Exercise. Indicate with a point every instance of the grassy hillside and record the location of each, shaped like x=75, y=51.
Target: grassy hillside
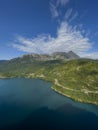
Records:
x=77, y=79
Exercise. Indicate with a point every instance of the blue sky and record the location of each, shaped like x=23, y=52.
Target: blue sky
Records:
x=46, y=26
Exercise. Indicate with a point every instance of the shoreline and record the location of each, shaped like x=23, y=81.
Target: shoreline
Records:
x=75, y=100
x=54, y=89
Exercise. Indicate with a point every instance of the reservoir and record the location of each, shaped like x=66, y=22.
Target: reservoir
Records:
x=31, y=104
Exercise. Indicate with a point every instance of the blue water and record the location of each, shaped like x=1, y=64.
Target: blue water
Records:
x=31, y=104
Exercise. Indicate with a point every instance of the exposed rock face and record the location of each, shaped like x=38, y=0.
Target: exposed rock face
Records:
x=53, y=56
x=44, y=57
x=64, y=55
x=72, y=55
x=60, y=55
x=37, y=56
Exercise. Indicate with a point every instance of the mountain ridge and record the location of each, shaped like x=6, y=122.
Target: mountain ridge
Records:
x=54, y=56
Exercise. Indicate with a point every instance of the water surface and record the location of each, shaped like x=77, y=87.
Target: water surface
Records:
x=32, y=104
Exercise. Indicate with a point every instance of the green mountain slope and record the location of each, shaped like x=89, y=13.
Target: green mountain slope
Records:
x=77, y=79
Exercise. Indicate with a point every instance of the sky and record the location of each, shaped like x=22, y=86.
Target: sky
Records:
x=47, y=26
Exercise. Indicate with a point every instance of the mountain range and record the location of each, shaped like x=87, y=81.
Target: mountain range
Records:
x=54, y=56
x=45, y=57
x=3, y=61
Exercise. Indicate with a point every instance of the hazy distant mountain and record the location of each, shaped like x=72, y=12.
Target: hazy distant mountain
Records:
x=44, y=57
x=54, y=56
x=3, y=61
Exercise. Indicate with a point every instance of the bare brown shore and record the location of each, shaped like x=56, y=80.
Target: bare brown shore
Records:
x=2, y=77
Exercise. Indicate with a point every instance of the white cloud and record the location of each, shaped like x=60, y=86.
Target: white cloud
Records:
x=55, y=5
x=93, y=55
x=53, y=10
x=68, y=39
x=62, y=2
x=73, y=17
x=68, y=13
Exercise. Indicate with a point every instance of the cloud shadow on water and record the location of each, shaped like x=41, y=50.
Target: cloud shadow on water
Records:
x=64, y=118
